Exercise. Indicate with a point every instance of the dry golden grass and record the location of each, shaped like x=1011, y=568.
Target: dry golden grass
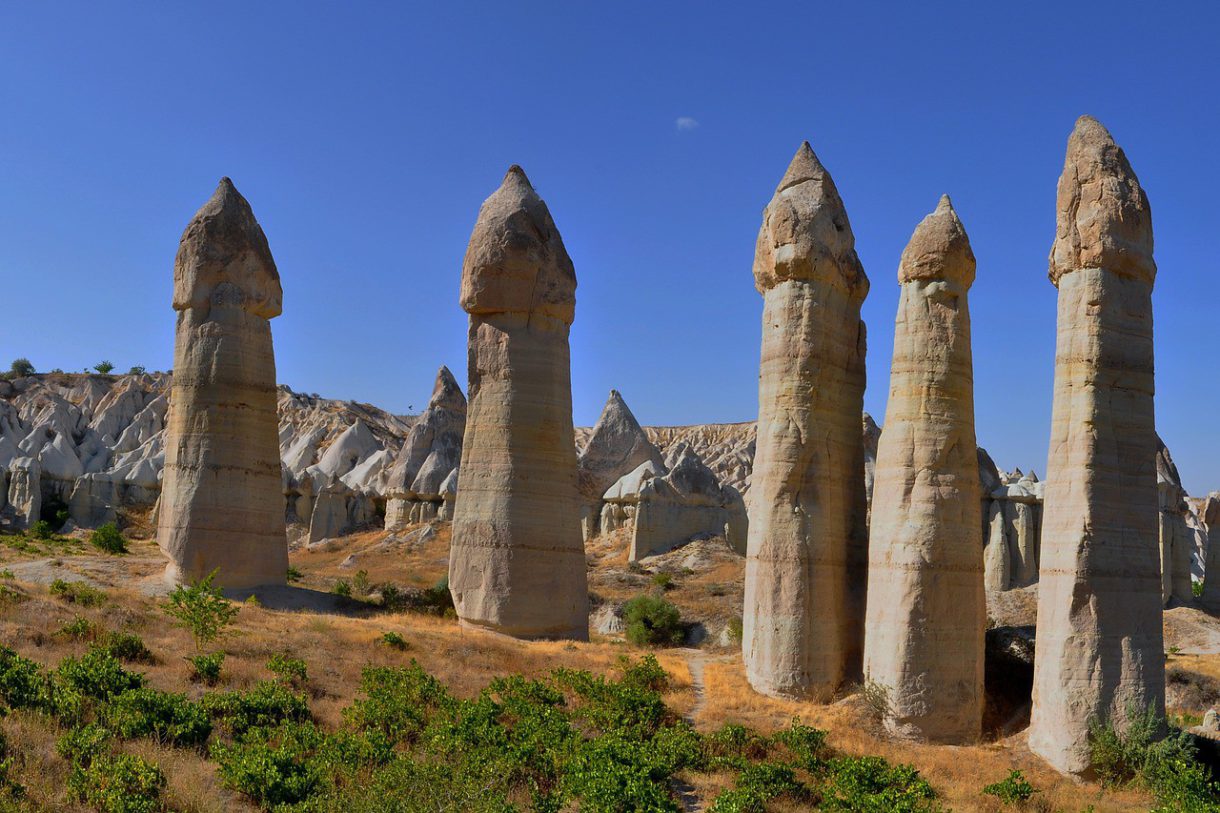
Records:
x=337, y=646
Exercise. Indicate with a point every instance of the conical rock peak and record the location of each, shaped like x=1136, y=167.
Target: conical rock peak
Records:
x=223, y=257
x=805, y=233
x=1104, y=220
x=939, y=249
x=516, y=261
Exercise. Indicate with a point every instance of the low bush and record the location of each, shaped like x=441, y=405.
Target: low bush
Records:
x=1167, y=765
x=207, y=667
x=78, y=593
x=653, y=621
x=166, y=717
x=80, y=628
x=394, y=641
x=23, y=685
x=129, y=647
x=42, y=530
x=1014, y=790
x=266, y=705
x=107, y=538
x=119, y=783
x=290, y=670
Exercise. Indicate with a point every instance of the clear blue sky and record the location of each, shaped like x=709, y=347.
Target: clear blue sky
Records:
x=365, y=135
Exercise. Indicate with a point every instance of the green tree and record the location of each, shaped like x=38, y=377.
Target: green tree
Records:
x=103, y=367
x=202, y=609
x=21, y=367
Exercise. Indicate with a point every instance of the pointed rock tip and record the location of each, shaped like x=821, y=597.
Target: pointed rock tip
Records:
x=804, y=166
x=517, y=174
x=944, y=204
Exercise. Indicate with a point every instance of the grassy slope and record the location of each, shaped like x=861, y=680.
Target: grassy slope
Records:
x=337, y=645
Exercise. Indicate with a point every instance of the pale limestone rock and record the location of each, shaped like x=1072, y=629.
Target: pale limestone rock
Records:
x=222, y=501
x=927, y=615
x=94, y=501
x=517, y=563
x=997, y=561
x=25, y=491
x=330, y=517
x=803, y=596
x=616, y=447
x=1020, y=521
x=1177, y=540
x=1100, y=642
x=684, y=504
x=430, y=454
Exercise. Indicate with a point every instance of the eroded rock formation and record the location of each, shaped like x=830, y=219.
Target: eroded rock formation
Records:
x=517, y=562
x=430, y=454
x=222, y=499
x=803, y=613
x=1100, y=643
x=927, y=614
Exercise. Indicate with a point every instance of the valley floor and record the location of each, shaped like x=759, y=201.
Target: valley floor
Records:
x=338, y=636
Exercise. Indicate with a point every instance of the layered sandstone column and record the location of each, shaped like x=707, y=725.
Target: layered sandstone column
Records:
x=927, y=614
x=803, y=614
x=517, y=564
x=1100, y=649
x=222, y=503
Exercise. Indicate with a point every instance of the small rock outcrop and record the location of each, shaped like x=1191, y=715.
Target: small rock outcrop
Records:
x=616, y=446
x=804, y=591
x=517, y=561
x=1181, y=537
x=431, y=453
x=1100, y=641
x=222, y=499
x=927, y=614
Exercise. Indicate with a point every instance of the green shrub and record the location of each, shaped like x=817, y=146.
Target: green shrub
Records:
x=664, y=581
x=129, y=647
x=79, y=685
x=1196, y=589
x=22, y=682
x=107, y=538
x=294, y=575
x=41, y=530
x=119, y=783
x=166, y=717
x=137, y=369
x=398, y=702
x=757, y=785
x=807, y=745
x=735, y=629
x=104, y=367
x=273, y=767
x=1166, y=765
x=83, y=743
x=651, y=620
x=1014, y=790
x=80, y=628
x=20, y=368
x=77, y=593
x=361, y=585
x=735, y=746
x=290, y=670
x=201, y=608
x=207, y=667
x=394, y=641
x=342, y=588
x=266, y=705
x=873, y=784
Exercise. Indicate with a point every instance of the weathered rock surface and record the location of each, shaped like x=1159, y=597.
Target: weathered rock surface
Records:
x=803, y=612
x=431, y=454
x=616, y=446
x=221, y=503
x=25, y=491
x=517, y=562
x=927, y=616
x=1100, y=641
x=1182, y=537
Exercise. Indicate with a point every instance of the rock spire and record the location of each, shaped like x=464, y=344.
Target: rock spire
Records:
x=927, y=614
x=1100, y=646
x=517, y=564
x=806, y=544
x=222, y=506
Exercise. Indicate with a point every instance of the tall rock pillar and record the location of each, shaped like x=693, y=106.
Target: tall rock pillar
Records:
x=1100, y=649
x=803, y=613
x=927, y=615
x=222, y=503
x=517, y=564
